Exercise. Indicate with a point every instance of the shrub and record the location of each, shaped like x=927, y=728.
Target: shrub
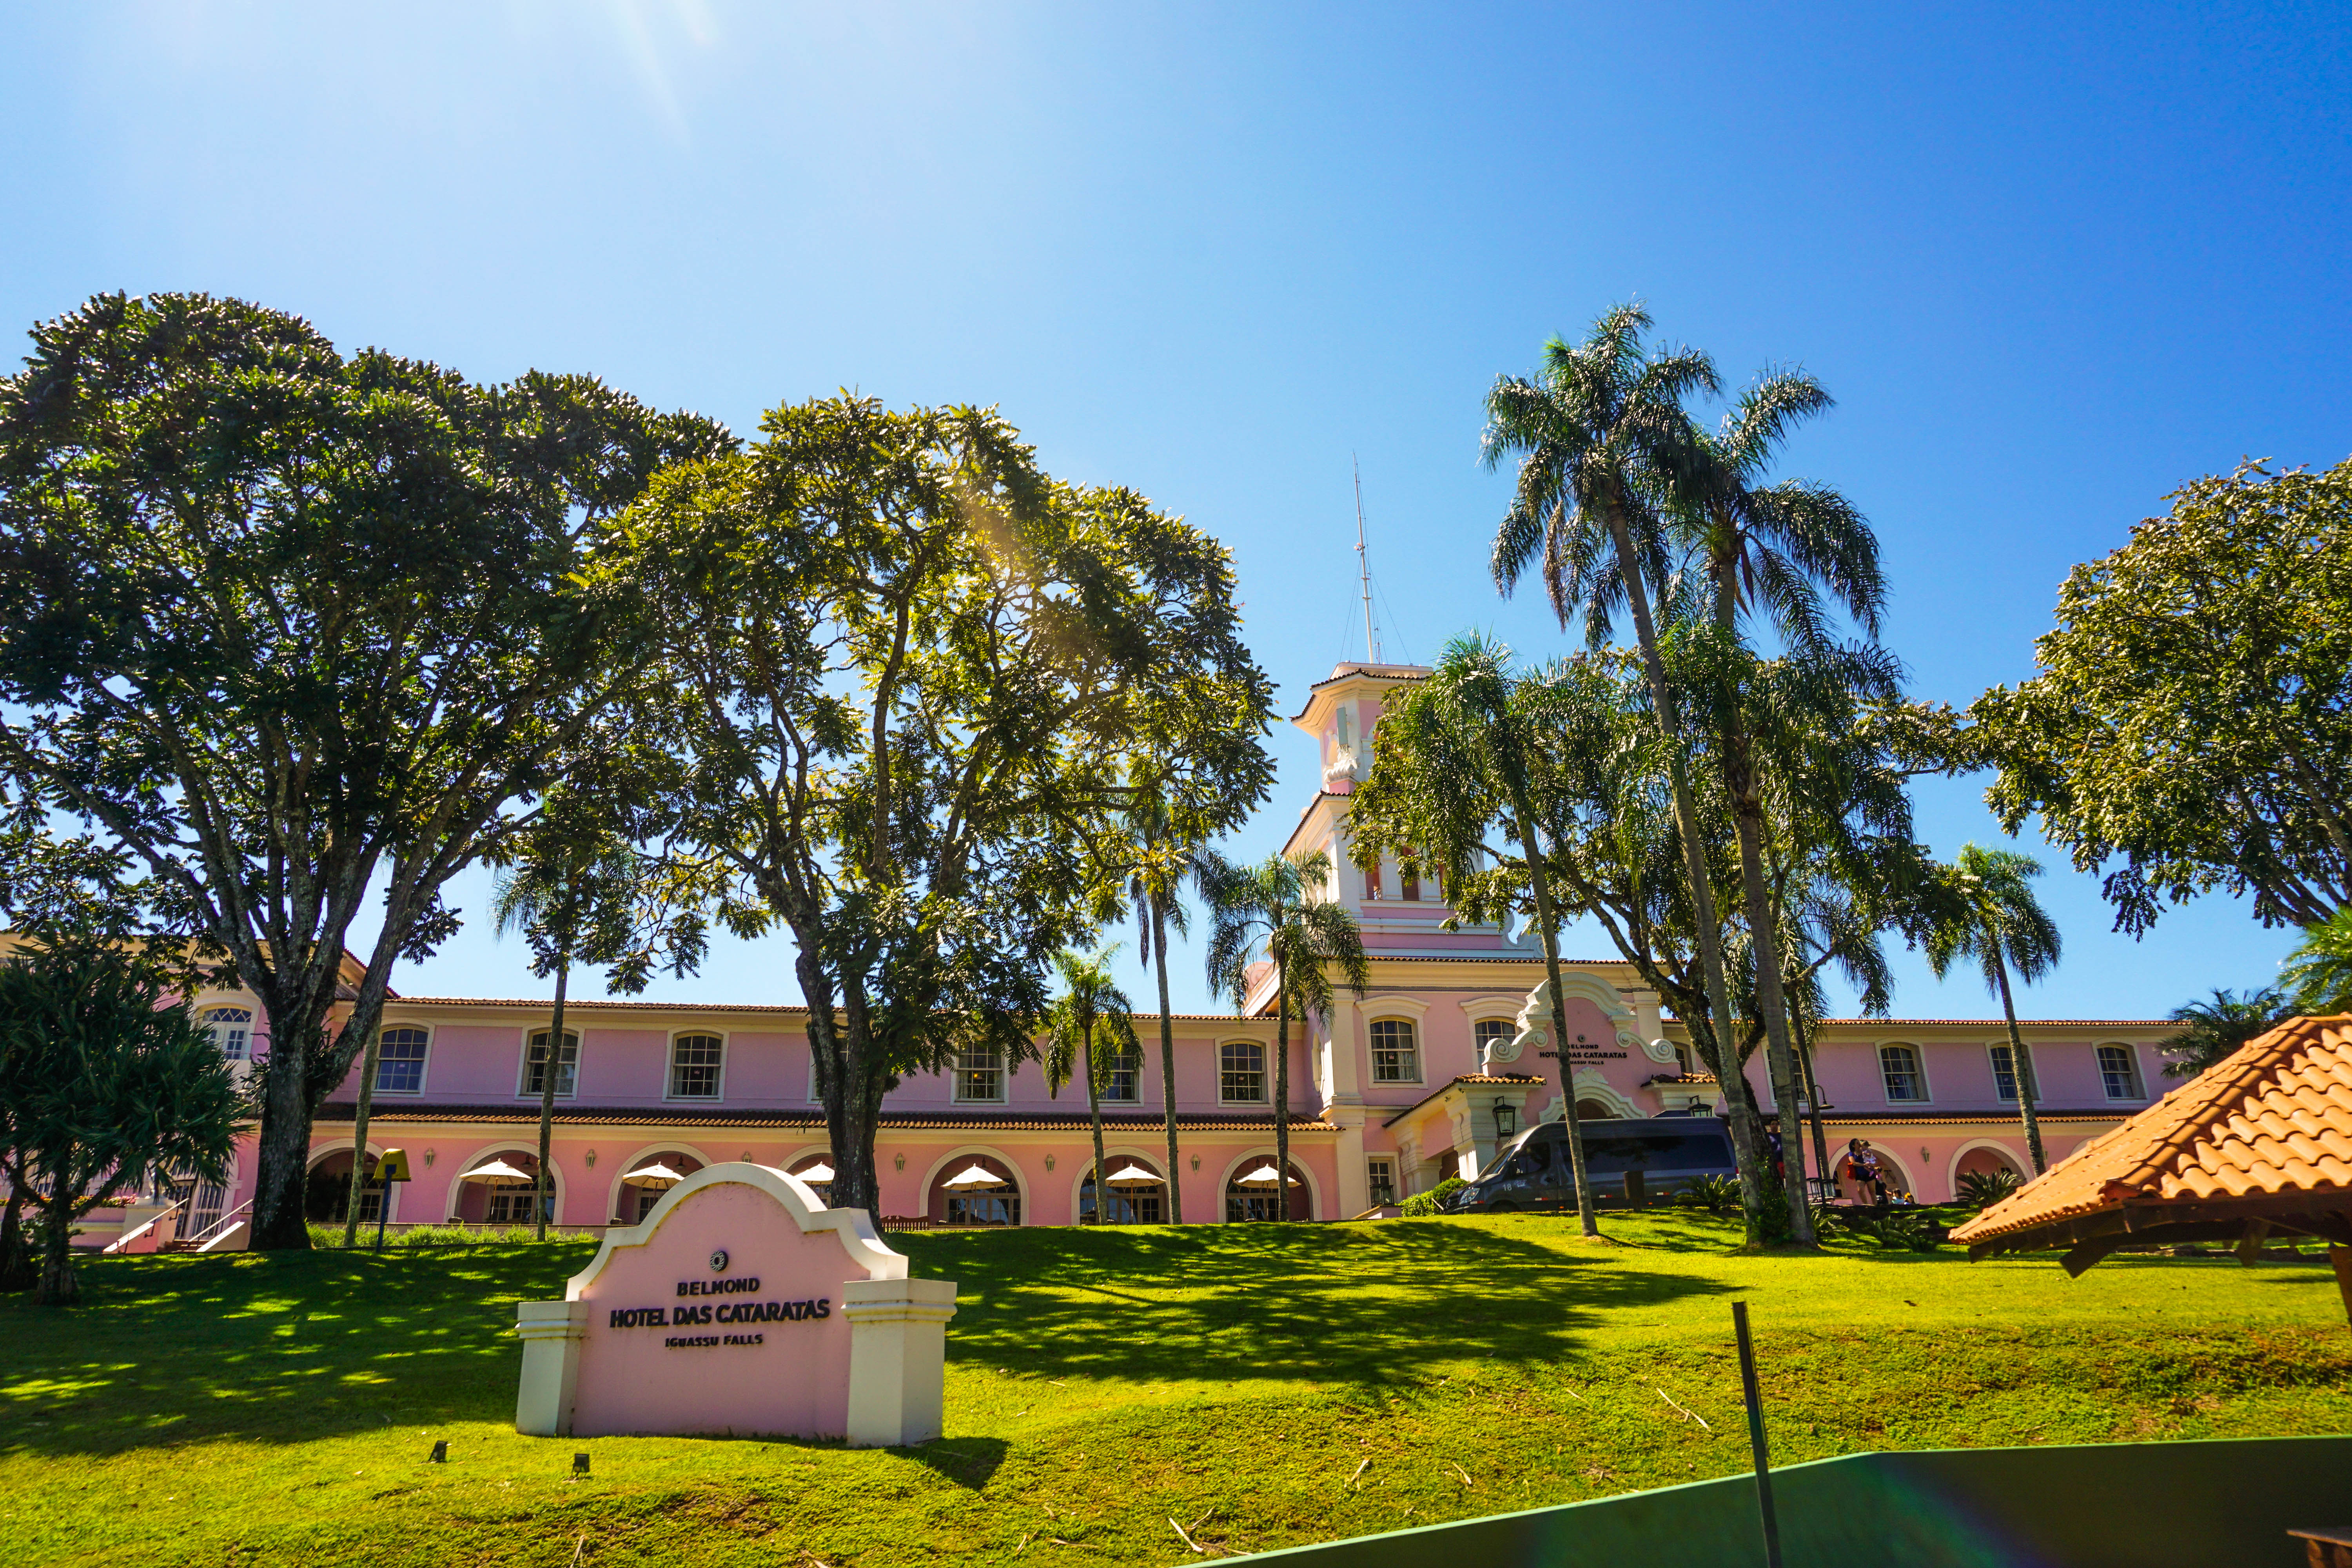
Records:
x=1982, y=1189
x=1717, y=1194
x=1437, y=1200
x=1910, y=1230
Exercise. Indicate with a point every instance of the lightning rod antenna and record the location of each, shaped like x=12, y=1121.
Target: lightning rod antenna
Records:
x=1364, y=565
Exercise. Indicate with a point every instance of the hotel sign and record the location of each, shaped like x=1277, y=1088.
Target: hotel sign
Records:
x=740, y=1307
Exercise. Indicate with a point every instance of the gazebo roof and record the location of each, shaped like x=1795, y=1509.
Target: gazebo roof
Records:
x=2261, y=1138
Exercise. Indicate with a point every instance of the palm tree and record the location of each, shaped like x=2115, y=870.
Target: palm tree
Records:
x=561, y=896
x=2217, y=1028
x=1162, y=864
x=1991, y=916
x=2319, y=970
x=1276, y=908
x=1453, y=790
x=1602, y=438
x=1091, y=1004
x=1769, y=549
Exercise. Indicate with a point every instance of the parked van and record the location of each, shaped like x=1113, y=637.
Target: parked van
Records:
x=1627, y=1161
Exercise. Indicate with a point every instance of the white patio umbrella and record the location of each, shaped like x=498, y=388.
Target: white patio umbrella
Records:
x=819, y=1173
x=977, y=1176
x=1265, y=1175
x=654, y=1174
x=1133, y=1175
x=498, y=1172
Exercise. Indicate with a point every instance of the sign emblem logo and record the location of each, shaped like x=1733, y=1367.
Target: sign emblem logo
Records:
x=719, y=1261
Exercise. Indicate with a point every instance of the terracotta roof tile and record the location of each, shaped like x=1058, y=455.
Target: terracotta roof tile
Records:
x=2274, y=1120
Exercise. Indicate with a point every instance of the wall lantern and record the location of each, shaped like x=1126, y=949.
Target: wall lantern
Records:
x=1196, y=1161
x=899, y=1163
x=1049, y=1162
x=590, y=1158
x=428, y=1156
x=1923, y=1152
x=1507, y=1121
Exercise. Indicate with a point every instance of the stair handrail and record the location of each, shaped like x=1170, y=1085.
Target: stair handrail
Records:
x=217, y=1227
x=119, y=1242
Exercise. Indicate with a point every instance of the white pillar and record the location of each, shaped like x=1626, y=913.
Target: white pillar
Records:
x=550, y=1333
x=898, y=1359
x=1355, y=1194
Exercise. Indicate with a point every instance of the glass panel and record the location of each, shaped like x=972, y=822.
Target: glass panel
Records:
x=2117, y=1070
x=1383, y=1180
x=1243, y=1076
x=1394, y=1058
x=1123, y=1073
x=979, y=1075
x=1900, y=1067
x=694, y=1066
x=567, y=1067
x=2005, y=1073
x=400, y=1061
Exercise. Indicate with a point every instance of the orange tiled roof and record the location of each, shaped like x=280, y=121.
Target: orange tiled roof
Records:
x=2273, y=1120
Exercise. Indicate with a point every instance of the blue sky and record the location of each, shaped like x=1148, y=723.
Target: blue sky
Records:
x=2053, y=261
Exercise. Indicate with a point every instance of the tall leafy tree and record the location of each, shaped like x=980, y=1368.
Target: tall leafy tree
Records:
x=285, y=625
x=2215, y=1029
x=1452, y=790
x=1160, y=867
x=1994, y=920
x=1602, y=441
x=2189, y=725
x=2319, y=971
x=1091, y=1009
x=1276, y=912
x=104, y=1078
x=911, y=681
x=1768, y=550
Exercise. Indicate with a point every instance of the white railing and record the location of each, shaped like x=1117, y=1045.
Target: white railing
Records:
x=119, y=1242
x=218, y=1228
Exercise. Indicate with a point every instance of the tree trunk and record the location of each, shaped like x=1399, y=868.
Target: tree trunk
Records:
x=1281, y=1093
x=1167, y=1062
x=1548, y=925
x=2021, y=1063
x=1709, y=934
x=1779, y=1058
x=283, y=1147
x=17, y=1271
x=543, y=1190
x=60, y=1285
x=359, y=1139
x=1813, y=1100
x=1093, y=1119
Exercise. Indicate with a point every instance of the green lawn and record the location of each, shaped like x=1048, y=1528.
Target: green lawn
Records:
x=252, y=1409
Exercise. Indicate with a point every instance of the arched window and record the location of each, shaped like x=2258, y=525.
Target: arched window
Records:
x=1252, y=1193
x=496, y=1188
x=1122, y=1073
x=1899, y=1067
x=1492, y=1035
x=974, y=1189
x=399, y=1060
x=1241, y=1077
x=1594, y=1110
x=2120, y=1069
x=1138, y=1195
x=231, y=1029
x=567, y=1067
x=693, y=1061
x=1396, y=1057
x=979, y=1075
x=647, y=1178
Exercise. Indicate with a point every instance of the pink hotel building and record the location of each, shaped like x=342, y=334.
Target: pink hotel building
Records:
x=1415, y=1081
